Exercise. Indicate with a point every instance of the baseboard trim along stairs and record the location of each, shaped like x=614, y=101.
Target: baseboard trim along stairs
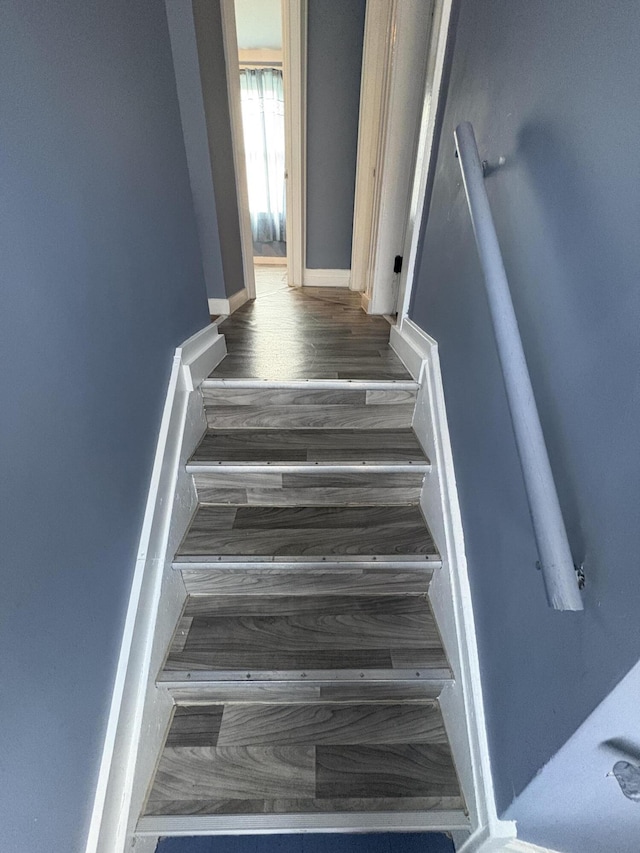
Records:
x=299, y=653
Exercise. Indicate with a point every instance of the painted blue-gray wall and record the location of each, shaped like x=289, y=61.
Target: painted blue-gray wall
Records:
x=213, y=74
x=334, y=59
x=186, y=64
x=101, y=278
x=553, y=88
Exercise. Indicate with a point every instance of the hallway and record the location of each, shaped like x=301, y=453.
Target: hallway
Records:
x=306, y=333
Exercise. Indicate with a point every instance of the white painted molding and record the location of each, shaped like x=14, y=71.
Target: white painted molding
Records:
x=411, y=344
x=392, y=95
x=140, y=711
x=373, y=93
x=200, y=354
x=327, y=278
x=433, y=90
x=228, y=306
x=230, y=41
x=450, y=595
x=294, y=79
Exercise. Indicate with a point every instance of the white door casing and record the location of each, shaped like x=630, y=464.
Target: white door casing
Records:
x=392, y=98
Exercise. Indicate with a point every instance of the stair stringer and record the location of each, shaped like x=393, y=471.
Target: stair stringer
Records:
x=450, y=595
x=140, y=712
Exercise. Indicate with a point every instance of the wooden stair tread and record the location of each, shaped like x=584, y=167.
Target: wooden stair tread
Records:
x=268, y=633
x=259, y=532
x=309, y=447
x=282, y=758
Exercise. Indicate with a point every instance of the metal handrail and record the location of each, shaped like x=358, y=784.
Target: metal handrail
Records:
x=557, y=566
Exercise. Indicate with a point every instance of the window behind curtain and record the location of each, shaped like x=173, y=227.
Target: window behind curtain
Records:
x=263, y=123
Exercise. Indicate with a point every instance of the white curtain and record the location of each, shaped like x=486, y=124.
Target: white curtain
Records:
x=263, y=123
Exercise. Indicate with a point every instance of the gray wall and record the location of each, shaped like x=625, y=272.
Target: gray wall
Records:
x=194, y=125
x=213, y=73
x=101, y=279
x=553, y=88
x=335, y=36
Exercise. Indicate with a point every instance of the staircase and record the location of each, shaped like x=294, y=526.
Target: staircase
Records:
x=306, y=666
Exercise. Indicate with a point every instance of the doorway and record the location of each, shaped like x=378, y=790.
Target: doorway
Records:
x=259, y=39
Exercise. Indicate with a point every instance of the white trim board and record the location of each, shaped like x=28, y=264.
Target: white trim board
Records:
x=228, y=306
x=294, y=81
x=450, y=594
x=230, y=42
x=425, y=152
x=392, y=95
x=326, y=278
x=140, y=712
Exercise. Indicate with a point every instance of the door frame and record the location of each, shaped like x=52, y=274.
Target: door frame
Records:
x=294, y=78
x=425, y=154
x=232, y=63
x=400, y=87
x=294, y=74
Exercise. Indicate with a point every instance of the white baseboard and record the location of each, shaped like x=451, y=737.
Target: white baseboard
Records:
x=140, y=712
x=228, y=306
x=327, y=278
x=411, y=344
x=450, y=594
x=200, y=354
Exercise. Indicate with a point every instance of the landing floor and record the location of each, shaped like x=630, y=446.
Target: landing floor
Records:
x=307, y=333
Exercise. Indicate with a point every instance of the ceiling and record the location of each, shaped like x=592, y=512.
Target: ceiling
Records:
x=259, y=24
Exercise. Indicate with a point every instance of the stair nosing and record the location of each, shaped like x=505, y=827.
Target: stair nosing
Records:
x=216, y=824
x=206, y=466
x=178, y=679
x=320, y=384
x=194, y=562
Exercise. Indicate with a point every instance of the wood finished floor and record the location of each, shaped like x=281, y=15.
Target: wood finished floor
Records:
x=256, y=758
x=307, y=333
x=328, y=446
x=307, y=662
x=272, y=632
x=308, y=532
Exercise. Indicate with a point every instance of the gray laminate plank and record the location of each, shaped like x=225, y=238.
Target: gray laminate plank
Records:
x=284, y=397
x=160, y=806
x=361, y=479
x=195, y=726
x=220, y=479
x=289, y=445
x=249, y=657
x=254, y=725
x=364, y=804
x=311, y=497
x=244, y=772
x=331, y=518
x=181, y=633
x=384, y=542
x=417, y=691
x=300, y=531
x=400, y=770
x=309, y=417
x=413, y=609
x=386, y=397
x=302, y=806
x=304, y=582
